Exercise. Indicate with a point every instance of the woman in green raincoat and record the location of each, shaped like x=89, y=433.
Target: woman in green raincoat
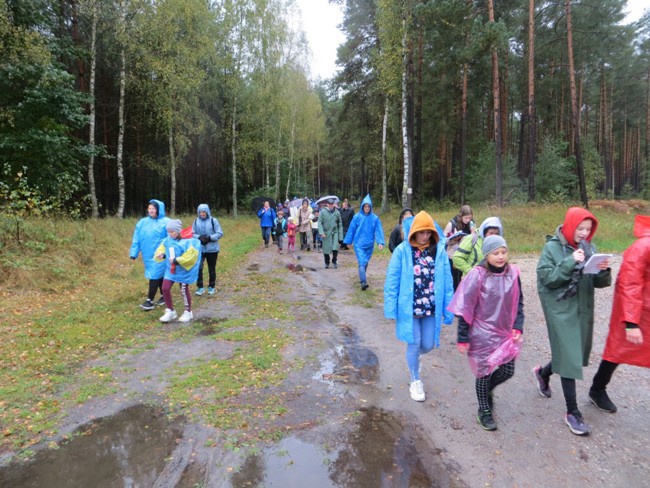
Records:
x=567, y=297
x=330, y=228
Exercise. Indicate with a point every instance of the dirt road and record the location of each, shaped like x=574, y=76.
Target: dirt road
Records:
x=349, y=420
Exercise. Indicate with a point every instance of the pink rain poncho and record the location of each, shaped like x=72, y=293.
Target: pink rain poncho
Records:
x=488, y=302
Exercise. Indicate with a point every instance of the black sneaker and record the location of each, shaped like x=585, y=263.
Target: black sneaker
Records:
x=541, y=384
x=364, y=286
x=160, y=302
x=486, y=420
x=147, y=305
x=602, y=401
x=576, y=423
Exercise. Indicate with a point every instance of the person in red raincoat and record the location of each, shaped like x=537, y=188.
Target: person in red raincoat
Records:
x=628, y=341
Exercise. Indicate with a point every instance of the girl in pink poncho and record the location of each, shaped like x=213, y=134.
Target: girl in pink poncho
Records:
x=490, y=310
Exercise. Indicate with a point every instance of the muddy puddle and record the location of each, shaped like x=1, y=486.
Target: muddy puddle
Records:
x=128, y=449
x=381, y=450
x=299, y=268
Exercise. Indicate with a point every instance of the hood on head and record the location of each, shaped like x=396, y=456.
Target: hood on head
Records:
x=203, y=208
x=422, y=221
x=642, y=225
x=366, y=200
x=161, y=207
x=490, y=222
x=574, y=216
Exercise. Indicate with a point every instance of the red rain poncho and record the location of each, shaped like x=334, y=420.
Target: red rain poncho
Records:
x=488, y=302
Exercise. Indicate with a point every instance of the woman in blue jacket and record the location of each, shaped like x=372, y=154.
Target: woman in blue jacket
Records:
x=206, y=229
x=364, y=230
x=149, y=231
x=267, y=216
x=417, y=291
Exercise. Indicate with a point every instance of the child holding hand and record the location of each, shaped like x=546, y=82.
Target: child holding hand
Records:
x=490, y=308
x=292, y=230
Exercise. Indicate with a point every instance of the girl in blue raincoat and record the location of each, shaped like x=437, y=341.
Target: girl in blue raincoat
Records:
x=149, y=231
x=364, y=230
x=206, y=229
x=181, y=258
x=417, y=291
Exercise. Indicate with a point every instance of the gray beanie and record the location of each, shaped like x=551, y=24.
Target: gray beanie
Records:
x=492, y=243
x=174, y=226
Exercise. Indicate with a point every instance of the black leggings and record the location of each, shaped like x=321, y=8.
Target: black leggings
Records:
x=486, y=384
x=211, y=258
x=568, y=388
x=603, y=375
x=154, y=286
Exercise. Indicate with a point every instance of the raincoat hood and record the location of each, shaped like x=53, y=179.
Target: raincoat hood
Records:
x=161, y=207
x=574, y=216
x=203, y=208
x=490, y=222
x=642, y=226
x=423, y=221
x=367, y=200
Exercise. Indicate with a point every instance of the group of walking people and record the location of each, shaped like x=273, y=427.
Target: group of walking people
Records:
x=172, y=254
x=485, y=295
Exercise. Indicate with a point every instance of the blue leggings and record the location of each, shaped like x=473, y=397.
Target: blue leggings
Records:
x=423, y=337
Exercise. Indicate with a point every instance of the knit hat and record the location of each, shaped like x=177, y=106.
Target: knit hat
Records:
x=174, y=226
x=492, y=243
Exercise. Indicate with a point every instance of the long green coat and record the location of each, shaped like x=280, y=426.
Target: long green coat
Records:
x=331, y=226
x=570, y=322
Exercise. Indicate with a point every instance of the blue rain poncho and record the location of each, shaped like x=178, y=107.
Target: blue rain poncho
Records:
x=208, y=226
x=148, y=234
x=364, y=230
x=188, y=257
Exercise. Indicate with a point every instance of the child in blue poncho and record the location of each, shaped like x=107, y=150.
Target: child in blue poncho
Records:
x=182, y=258
x=365, y=229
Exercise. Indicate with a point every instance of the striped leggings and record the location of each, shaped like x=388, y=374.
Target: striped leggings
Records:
x=185, y=293
x=486, y=384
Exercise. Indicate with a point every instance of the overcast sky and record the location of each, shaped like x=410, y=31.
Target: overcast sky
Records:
x=320, y=19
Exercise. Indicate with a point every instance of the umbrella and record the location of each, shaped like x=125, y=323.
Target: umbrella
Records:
x=323, y=200
x=258, y=202
x=296, y=202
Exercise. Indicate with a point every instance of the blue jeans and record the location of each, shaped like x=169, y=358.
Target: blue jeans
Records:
x=362, y=272
x=266, y=234
x=423, y=337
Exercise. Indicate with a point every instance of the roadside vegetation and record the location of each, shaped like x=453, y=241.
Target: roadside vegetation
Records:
x=69, y=294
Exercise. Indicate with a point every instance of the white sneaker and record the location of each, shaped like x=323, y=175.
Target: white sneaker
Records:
x=169, y=315
x=417, y=391
x=186, y=317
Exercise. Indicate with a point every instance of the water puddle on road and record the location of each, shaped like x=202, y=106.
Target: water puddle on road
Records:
x=381, y=451
x=349, y=363
x=299, y=268
x=128, y=449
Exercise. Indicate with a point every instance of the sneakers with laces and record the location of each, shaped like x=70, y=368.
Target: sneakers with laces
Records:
x=147, y=305
x=200, y=291
x=602, y=401
x=541, y=384
x=417, y=391
x=169, y=315
x=160, y=302
x=576, y=423
x=486, y=420
x=186, y=317
x=210, y=291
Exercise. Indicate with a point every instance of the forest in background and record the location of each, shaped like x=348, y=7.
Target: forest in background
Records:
x=105, y=104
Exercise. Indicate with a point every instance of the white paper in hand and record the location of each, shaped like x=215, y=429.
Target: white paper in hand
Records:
x=591, y=266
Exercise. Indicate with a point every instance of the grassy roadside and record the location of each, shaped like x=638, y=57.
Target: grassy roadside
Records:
x=69, y=294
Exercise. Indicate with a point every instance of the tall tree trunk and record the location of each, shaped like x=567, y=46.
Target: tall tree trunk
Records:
x=407, y=187
x=293, y=135
x=496, y=116
x=532, y=116
x=575, y=109
x=172, y=169
x=463, y=136
x=277, y=163
x=120, y=133
x=233, y=149
x=91, y=130
x=384, y=166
